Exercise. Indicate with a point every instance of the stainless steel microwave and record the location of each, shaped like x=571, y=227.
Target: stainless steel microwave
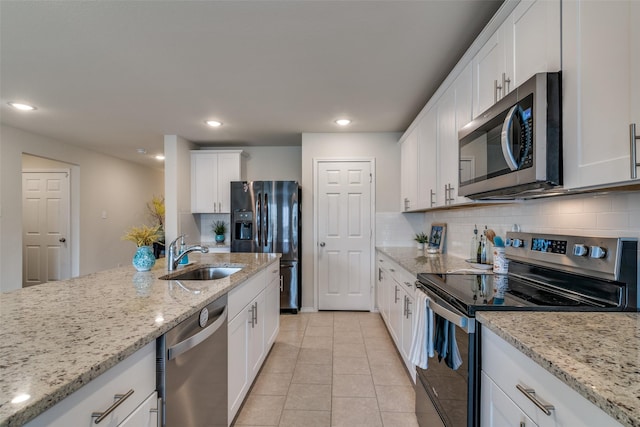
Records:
x=514, y=149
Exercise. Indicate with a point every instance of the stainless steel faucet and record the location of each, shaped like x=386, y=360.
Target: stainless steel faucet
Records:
x=174, y=259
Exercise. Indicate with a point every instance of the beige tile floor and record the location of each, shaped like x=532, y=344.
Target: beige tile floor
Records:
x=331, y=369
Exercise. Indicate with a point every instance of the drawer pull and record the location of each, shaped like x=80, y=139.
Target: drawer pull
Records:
x=158, y=412
x=530, y=394
x=120, y=398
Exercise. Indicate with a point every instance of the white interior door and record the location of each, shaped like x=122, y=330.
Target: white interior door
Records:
x=343, y=200
x=45, y=227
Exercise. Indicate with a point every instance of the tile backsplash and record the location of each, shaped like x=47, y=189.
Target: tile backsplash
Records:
x=608, y=215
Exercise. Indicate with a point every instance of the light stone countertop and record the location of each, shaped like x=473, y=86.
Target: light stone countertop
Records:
x=596, y=354
x=58, y=336
x=417, y=261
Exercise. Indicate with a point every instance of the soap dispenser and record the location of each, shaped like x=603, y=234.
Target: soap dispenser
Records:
x=183, y=247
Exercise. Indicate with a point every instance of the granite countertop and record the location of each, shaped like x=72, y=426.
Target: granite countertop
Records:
x=417, y=261
x=58, y=336
x=596, y=354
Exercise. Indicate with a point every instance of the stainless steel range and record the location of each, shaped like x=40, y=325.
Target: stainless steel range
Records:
x=546, y=273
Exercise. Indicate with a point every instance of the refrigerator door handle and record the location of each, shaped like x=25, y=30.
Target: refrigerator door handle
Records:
x=266, y=220
x=259, y=218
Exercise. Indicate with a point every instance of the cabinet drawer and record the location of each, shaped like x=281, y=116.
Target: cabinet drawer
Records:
x=273, y=273
x=242, y=295
x=145, y=415
x=137, y=373
x=508, y=367
x=397, y=272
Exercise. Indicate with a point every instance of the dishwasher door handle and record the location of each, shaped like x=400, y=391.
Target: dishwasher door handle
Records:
x=189, y=343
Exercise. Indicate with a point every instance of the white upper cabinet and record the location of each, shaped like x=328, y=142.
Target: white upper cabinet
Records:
x=489, y=64
x=427, y=177
x=601, y=85
x=211, y=175
x=534, y=40
x=409, y=172
x=528, y=42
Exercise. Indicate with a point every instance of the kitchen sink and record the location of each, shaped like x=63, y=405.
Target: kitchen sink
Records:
x=203, y=273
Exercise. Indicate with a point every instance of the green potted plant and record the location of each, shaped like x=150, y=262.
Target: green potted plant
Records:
x=219, y=229
x=143, y=236
x=421, y=238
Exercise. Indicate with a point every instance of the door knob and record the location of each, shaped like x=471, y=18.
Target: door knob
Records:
x=322, y=244
x=62, y=240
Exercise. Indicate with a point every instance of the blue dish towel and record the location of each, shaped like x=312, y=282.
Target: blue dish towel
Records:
x=445, y=343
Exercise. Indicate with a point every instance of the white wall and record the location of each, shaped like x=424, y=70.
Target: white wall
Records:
x=102, y=183
x=381, y=146
x=608, y=215
x=177, y=169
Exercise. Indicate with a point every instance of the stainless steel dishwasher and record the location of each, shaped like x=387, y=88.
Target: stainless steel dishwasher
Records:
x=192, y=369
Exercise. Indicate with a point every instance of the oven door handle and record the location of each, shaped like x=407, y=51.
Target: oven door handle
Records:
x=449, y=313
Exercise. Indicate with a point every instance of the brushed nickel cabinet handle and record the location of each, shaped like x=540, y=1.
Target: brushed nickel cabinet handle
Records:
x=120, y=398
x=158, y=412
x=505, y=83
x=496, y=88
x=633, y=138
x=530, y=394
x=431, y=195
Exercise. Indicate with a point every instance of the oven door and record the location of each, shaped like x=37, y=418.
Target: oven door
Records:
x=444, y=396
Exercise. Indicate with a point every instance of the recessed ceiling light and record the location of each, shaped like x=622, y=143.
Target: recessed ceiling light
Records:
x=22, y=107
x=214, y=123
x=160, y=157
x=343, y=122
x=141, y=151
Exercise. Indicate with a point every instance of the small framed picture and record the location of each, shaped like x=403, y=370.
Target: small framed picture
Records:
x=436, y=237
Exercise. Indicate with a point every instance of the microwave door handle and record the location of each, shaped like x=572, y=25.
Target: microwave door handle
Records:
x=506, y=139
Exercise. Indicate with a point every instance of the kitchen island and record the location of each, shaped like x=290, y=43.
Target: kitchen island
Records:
x=57, y=337
x=595, y=354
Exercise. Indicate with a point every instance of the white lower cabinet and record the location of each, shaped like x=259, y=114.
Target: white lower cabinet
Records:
x=511, y=384
x=498, y=409
x=132, y=381
x=395, y=289
x=272, y=304
x=254, y=309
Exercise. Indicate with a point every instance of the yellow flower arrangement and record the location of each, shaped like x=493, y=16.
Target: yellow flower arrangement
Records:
x=143, y=235
x=156, y=209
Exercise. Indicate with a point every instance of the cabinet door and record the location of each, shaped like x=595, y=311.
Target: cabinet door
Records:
x=464, y=114
x=447, y=148
x=427, y=185
x=145, y=415
x=228, y=170
x=395, y=312
x=600, y=85
x=272, y=308
x=238, y=374
x=488, y=65
x=204, y=182
x=409, y=172
x=533, y=42
x=256, y=335
x=497, y=410
x=407, y=329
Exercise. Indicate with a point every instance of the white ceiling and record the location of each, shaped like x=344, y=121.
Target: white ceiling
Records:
x=114, y=76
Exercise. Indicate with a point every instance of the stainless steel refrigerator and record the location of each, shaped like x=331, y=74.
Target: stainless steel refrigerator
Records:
x=265, y=217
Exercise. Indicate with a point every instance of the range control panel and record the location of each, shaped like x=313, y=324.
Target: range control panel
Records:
x=592, y=256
